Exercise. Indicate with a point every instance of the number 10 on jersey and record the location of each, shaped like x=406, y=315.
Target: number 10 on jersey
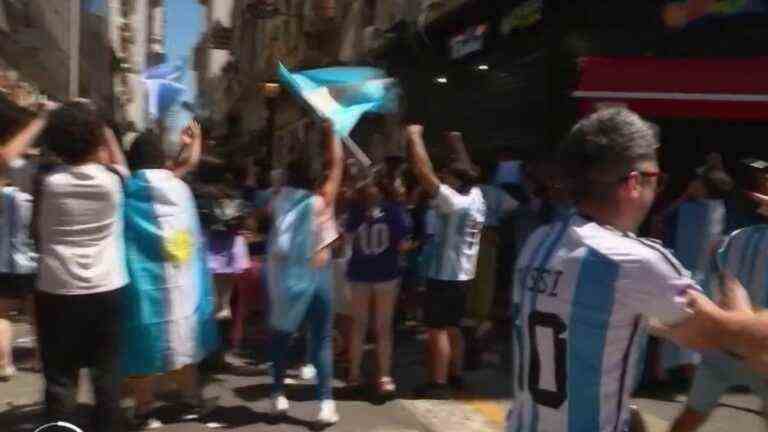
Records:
x=552, y=368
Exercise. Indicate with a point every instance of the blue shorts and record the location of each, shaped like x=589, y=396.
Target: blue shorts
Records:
x=715, y=375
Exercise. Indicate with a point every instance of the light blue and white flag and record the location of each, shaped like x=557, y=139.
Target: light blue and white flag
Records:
x=169, y=304
x=164, y=89
x=343, y=94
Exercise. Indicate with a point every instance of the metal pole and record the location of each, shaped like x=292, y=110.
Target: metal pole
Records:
x=355, y=149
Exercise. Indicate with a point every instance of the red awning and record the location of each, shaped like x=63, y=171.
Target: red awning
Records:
x=727, y=89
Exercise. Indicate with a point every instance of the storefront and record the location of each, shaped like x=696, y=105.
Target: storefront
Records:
x=481, y=69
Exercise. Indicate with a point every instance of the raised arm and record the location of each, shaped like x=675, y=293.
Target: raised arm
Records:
x=114, y=152
x=732, y=326
x=456, y=141
x=422, y=165
x=19, y=143
x=191, y=141
x=335, y=156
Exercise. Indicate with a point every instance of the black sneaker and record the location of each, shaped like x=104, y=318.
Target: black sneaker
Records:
x=457, y=382
x=435, y=391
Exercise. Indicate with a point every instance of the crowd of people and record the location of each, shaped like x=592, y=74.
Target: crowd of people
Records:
x=136, y=261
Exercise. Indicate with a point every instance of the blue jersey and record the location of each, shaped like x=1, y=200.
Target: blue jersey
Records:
x=693, y=230
x=376, y=239
x=498, y=203
x=17, y=250
x=583, y=291
x=744, y=254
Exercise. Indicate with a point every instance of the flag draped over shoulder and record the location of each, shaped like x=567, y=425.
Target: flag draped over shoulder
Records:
x=169, y=304
x=343, y=94
x=292, y=279
x=164, y=89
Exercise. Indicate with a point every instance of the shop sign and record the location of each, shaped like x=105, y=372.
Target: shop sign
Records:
x=677, y=14
x=471, y=40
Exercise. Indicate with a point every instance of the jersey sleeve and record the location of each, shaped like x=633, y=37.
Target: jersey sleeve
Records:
x=655, y=287
x=447, y=199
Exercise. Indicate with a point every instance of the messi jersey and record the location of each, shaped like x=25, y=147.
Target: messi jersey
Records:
x=584, y=291
x=459, y=223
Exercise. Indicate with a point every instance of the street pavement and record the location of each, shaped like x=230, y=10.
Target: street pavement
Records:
x=243, y=406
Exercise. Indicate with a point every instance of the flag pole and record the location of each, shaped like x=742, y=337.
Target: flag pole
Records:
x=356, y=151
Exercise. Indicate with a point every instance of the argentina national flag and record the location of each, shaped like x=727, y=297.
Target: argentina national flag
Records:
x=164, y=89
x=168, y=306
x=343, y=94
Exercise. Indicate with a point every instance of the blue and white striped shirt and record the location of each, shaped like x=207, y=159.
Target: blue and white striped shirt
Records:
x=582, y=290
x=459, y=223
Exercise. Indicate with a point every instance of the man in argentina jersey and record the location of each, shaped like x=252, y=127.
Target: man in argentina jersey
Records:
x=744, y=255
x=586, y=285
x=693, y=228
x=460, y=211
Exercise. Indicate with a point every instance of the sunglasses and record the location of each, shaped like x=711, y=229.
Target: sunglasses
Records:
x=661, y=178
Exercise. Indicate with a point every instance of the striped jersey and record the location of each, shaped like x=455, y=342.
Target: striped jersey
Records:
x=497, y=203
x=17, y=250
x=745, y=255
x=693, y=230
x=459, y=222
x=583, y=291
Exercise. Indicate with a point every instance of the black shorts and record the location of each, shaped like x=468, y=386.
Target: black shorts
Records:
x=445, y=303
x=15, y=286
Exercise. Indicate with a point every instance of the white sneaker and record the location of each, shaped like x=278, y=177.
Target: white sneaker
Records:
x=152, y=424
x=7, y=372
x=280, y=405
x=307, y=372
x=328, y=415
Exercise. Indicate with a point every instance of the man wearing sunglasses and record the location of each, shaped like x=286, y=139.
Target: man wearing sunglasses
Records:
x=587, y=287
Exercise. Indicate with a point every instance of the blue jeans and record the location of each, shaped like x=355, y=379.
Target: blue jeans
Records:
x=319, y=319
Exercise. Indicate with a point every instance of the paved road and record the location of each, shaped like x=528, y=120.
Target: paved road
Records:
x=243, y=406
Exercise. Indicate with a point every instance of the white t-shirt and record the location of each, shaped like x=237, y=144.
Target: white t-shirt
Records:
x=460, y=220
x=80, y=227
x=584, y=293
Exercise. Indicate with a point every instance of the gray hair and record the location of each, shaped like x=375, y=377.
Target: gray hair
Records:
x=605, y=146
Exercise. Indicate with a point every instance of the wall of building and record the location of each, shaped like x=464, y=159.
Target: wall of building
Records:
x=42, y=44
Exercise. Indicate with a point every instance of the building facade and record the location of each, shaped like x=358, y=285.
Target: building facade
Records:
x=66, y=49
x=245, y=40
x=137, y=35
